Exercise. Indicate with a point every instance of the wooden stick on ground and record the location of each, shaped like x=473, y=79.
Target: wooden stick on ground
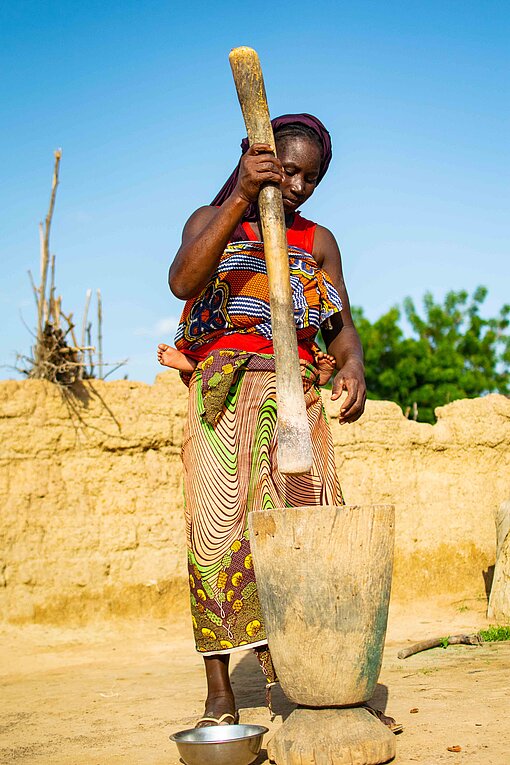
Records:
x=424, y=645
x=294, y=443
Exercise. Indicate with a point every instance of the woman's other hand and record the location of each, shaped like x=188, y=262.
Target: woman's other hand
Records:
x=259, y=165
x=351, y=379
x=341, y=337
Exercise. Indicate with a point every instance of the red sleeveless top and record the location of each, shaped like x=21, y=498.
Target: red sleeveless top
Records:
x=301, y=234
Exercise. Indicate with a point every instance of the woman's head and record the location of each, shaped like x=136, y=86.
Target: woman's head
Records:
x=299, y=149
x=303, y=145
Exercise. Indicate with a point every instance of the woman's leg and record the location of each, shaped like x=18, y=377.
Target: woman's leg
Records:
x=220, y=696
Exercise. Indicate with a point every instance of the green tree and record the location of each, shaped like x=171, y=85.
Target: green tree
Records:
x=451, y=352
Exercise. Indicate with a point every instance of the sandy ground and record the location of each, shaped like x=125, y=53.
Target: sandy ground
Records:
x=113, y=693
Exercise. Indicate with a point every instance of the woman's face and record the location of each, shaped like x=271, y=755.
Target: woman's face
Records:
x=301, y=160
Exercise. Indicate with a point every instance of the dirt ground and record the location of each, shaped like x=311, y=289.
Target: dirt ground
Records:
x=113, y=693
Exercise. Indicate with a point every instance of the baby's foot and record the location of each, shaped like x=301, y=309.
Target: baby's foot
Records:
x=326, y=365
x=171, y=357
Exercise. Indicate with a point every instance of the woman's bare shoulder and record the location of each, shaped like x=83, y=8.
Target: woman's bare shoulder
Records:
x=198, y=220
x=325, y=246
x=201, y=216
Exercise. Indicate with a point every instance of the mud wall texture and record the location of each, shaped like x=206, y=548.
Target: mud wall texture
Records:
x=92, y=526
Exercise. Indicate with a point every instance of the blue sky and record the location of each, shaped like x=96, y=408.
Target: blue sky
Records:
x=140, y=97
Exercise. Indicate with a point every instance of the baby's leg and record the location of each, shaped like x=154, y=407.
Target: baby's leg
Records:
x=171, y=357
x=325, y=363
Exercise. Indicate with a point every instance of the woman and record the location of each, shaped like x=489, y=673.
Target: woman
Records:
x=229, y=449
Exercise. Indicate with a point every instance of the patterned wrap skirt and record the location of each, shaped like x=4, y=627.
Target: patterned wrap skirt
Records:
x=231, y=469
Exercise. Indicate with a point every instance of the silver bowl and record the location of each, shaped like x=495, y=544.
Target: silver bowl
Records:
x=220, y=744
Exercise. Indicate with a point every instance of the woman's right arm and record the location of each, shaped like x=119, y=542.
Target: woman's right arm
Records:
x=207, y=232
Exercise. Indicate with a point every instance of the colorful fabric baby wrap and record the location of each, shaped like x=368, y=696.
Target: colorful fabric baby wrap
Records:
x=236, y=299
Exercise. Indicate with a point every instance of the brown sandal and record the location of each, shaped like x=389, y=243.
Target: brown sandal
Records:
x=219, y=720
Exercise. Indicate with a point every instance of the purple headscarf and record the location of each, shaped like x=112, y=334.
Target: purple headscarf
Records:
x=310, y=121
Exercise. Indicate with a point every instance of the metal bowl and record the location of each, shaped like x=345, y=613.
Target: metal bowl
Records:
x=220, y=744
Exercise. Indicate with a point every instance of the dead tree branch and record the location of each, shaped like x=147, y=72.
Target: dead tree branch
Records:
x=57, y=355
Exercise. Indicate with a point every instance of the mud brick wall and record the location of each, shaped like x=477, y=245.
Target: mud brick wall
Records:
x=91, y=520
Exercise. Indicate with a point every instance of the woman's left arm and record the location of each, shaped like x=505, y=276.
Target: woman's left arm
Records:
x=342, y=339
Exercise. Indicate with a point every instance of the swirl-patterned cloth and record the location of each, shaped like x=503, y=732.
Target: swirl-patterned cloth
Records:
x=238, y=473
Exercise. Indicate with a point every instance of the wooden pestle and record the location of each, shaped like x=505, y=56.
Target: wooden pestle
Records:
x=294, y=443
